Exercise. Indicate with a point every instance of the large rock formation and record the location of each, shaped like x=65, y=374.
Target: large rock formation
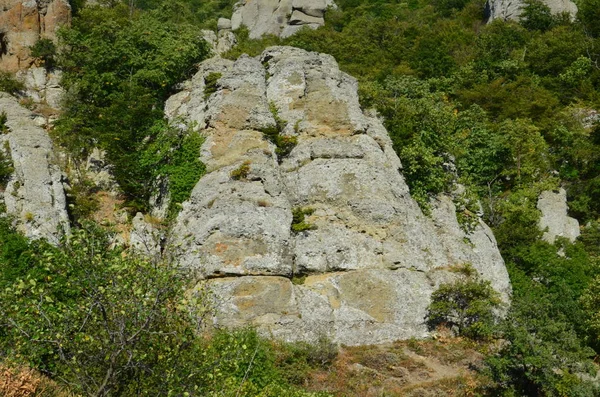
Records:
x=364, y=267
x=512, y=9
x=23, y=23
x=34, y=194
x=554, y=221
x=279, y=17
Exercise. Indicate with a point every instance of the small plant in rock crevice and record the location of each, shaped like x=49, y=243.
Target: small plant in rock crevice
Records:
x=210, y=84
x=241, y=173
x=284, y=144
x=299, y=223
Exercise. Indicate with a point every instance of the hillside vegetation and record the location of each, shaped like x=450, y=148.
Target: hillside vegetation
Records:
x=500, y=108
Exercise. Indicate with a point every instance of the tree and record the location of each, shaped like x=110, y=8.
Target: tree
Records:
x=466, y=306
x=542, y=354
x=101, y=320
x=536, y=16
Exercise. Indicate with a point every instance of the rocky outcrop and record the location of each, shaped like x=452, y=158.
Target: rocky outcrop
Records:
x=43, y=86
x=554, y=221
x=511, y=9
x=279, y=17
x=23, y=23
x=34, y=194
x=362, y=264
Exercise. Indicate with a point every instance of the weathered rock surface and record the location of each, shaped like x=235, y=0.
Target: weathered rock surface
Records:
x=279, y=17
x=364, y=272
x=43, y=86
x=511, y=9
x=553, y=206
x=34, y=195
x=23, y=23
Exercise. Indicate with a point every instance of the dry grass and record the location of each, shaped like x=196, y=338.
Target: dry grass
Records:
x=25, y=382
x=423, y=368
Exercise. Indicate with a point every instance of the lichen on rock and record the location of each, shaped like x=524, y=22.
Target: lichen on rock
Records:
x=34, y=195
x=371, y=258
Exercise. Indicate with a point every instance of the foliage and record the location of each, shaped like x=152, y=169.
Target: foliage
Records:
x=542, y=354
x=9, y=84
x=119, y=67
x=175, y=154
x=299, y=224
x=210, y=84
x=466, y=305
x=3, y=127
x=241, y=173
x=536, y=16
x=45, y=50
x=105, y=322
x=284, y=144
x=6, y=166
x=296, y=360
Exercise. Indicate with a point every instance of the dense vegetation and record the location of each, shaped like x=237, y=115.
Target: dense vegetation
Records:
x=108, y=323
x=503, y=108
x=499, y=108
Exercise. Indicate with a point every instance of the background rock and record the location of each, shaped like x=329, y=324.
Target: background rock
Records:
x=34, y=195
x=23, y=23
x=511, y=9
x=364, y=270
x=553, y=206
x=279, y=17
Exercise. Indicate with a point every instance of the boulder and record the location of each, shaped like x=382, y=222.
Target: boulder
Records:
x=511, y=9
x=34, y=194
x=554, y=220
x=223, y=24
x=300, y=18
x=23, y=23
x=363, y=267
x=278, y=17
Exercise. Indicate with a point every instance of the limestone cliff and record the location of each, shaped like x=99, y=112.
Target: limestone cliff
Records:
x=23, y=23
x=365, y=264
x=34, y=194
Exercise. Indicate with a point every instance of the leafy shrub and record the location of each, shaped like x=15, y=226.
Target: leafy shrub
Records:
x=9, y=84
x=6, y=166
x=119, y=67
x=3, y=127
x=299, y=223
x=466, y=306
x=210, y=84
x=45, y=50
x=175, y=154
x=542, y=354
x=297, y=360
x=241, y=172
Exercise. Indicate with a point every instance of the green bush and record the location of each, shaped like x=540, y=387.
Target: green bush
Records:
x=6, y=166
x=9, y=84
x=466, y=306
x=45, y=50
x=119, y=68
x=299, y=223
x=210, y=84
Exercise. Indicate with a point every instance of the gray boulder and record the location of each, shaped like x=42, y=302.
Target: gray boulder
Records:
x=34, y=194
x=554, y=219
x=512, y=9
x=279, y=17
x=366, y=264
